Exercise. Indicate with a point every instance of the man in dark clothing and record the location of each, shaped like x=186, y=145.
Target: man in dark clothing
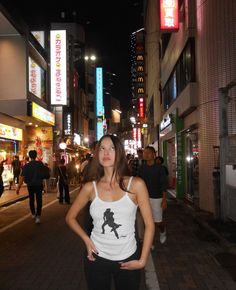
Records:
x=136, y=163
x=63, y=182
x=16, y=169
x=32, y=175
x=155, y=178
x=1, y=181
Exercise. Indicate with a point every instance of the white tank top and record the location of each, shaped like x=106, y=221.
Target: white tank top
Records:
x=114, y=226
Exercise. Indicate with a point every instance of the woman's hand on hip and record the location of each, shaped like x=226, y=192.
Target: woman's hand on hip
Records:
x=132, y=265
x=91, y=249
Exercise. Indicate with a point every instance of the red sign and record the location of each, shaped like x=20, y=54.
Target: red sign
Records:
x=141, y=107
x=169, y=14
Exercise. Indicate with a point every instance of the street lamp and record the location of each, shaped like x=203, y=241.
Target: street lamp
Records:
x=86, y=140
x=91, y=57
x=63, y=146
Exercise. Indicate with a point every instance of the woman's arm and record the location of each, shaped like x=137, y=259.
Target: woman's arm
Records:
x=142, y=198
x=81, y=200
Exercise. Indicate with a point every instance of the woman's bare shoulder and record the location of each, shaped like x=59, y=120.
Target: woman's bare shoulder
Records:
x=87, y=188
x=137, y=180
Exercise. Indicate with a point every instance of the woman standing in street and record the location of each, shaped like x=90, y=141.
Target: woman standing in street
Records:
x=112, y=250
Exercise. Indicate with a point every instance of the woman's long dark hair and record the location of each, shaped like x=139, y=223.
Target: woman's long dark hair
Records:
x=95, y=171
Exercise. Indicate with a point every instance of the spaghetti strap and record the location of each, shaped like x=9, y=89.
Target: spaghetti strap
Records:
x=95, y=188
x=129, y=183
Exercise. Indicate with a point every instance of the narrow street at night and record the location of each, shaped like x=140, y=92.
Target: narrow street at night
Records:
x=50, y=256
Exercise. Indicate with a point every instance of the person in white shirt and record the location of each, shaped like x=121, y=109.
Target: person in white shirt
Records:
x=112, y=250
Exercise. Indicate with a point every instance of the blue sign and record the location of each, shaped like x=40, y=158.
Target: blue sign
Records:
x=100, y=129
x=99, y=91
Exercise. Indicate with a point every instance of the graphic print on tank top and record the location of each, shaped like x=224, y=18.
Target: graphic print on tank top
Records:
x=108, y=217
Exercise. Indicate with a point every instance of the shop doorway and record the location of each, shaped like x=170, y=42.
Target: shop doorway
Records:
x=171, y=164
x=192, y=168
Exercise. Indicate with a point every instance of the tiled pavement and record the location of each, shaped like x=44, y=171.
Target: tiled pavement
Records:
x=188, y=259
x=50, y=256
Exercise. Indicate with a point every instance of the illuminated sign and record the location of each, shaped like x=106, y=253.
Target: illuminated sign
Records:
x=141, y=107
x=140, y=79
x=42, y=114
x=169, y=14
x=140, y=90
x=9, y=132
x=140, y=57
x=139, y=142
x=140, y=68
x=165, y=122
x=34, y=78
x=39, y=35
x=67, y=124
x=58, y=67
x=99, y=91
x=100, y=128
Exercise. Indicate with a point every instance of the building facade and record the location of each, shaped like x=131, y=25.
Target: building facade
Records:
x=185, y=70
x=27, y=120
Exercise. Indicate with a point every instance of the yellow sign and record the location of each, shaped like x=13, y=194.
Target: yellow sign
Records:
x=9, y=132
x=42, y=114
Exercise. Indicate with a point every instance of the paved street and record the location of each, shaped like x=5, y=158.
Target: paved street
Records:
x=50, y=256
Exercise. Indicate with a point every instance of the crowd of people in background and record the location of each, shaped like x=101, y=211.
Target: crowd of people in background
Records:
x=124, y=195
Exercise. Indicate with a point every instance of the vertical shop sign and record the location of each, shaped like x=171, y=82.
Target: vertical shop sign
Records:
x=99, y=91
x=58, y=67
x=141, y=107
x=100, y=129
x=34, y=78
x=169, y=15
x=67, y=124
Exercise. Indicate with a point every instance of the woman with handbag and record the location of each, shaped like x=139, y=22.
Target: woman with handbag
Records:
x=63, y=182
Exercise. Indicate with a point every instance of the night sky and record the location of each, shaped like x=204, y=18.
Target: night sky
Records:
x=108, y=26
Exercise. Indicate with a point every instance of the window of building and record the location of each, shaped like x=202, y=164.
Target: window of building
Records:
x=182, y=74
x=91, y=106
x=91, y=124
x=91, y=88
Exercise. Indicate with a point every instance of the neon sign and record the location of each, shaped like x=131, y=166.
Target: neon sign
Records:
x=169, y=15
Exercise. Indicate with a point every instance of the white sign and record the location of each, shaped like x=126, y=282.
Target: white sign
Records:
x=58, y=67
x=165, y=122
x=34, y=78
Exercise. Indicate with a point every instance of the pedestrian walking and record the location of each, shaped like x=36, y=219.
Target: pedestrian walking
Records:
x=72, y=171
x=33, y=174
x=136, y=163
x=160, y=161
x=155, y=178
x=16, y=168
x=63, y=183
x=112, y=250
x=1, y=180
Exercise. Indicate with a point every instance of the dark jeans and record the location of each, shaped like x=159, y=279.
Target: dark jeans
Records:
x=35, y=191
x=99, y=274
x=64, y=187
x=16, y=175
